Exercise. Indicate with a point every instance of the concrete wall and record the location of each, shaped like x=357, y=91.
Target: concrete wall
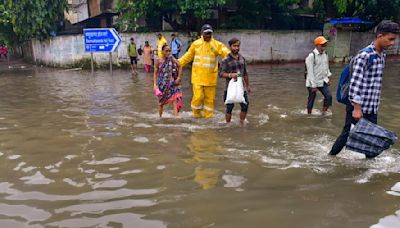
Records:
x=257, y=46
x=347, y=44
x=360, y=40
x=267, y=46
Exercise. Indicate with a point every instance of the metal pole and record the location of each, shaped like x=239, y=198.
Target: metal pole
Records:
x=111, y=70
x=91, y=61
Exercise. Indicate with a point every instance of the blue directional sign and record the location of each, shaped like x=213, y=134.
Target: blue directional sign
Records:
x=101, y=40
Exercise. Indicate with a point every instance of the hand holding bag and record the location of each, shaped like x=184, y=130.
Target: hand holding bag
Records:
x=235, y=92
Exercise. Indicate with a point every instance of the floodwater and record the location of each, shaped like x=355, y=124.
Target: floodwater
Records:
x=78, y=150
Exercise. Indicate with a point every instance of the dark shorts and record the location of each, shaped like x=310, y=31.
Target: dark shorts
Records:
x=133, y=60
x=243, y=107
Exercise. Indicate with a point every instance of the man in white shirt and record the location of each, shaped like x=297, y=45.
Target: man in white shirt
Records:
x=318, y=73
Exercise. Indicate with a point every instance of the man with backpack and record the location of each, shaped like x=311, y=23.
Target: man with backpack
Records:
x=365, y=82
x=176, y=46
x=317, y=75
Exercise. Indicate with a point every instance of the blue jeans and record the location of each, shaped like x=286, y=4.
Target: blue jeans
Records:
x=325, y=91
x=342, y=139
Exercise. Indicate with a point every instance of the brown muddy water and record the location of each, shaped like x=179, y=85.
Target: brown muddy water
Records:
x=78, y=150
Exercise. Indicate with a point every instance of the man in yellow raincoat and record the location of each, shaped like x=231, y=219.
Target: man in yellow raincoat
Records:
x=204, y=53
x=160, y=43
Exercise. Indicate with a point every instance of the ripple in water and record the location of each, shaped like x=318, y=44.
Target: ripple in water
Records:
x=390, y=221
x=312, y=153
x=141, y=139
x=110, y=184
x=125, y=219
x=100, y=208
x=36, y=179
x=109, y=161
x=233, y=181
x=27, y=213
x=14, y=157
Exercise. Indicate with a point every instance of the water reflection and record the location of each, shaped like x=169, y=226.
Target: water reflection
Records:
x=122, y=220
x=206, y=152
x=390, y=221
x=80, y=150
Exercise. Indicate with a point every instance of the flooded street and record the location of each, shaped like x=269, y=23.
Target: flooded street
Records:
x=78, y=150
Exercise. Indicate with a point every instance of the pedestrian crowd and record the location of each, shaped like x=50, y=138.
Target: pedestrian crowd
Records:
x=361, y=87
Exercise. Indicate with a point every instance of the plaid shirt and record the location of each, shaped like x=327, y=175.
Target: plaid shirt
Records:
x=366, y=80
x=232, y=65
x=369, y=138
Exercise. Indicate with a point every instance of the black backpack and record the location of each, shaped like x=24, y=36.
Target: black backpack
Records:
x=139, y=50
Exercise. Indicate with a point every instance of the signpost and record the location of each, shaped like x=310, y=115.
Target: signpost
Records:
x=101, y=40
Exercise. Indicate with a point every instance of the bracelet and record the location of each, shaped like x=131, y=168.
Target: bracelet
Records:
x=229, y=75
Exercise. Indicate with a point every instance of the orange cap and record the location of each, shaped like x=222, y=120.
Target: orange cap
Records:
x=320, y=40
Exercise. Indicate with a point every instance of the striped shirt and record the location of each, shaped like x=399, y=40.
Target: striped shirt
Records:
x=366, y=80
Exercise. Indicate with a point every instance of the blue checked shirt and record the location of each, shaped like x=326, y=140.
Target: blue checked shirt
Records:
x=366, y=80
x=369, y=138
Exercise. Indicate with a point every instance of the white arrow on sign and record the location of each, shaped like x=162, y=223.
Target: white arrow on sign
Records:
x=117, y=38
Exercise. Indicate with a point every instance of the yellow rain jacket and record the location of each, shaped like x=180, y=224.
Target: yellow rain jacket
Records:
x=205, y=61
x=160, y=43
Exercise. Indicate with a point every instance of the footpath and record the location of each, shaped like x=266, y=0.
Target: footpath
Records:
x=12, y=64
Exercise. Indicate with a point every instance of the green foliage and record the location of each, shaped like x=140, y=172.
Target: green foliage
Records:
x=261, y=14
x=21, y=20
x=377, y=10
x=239, y=22
x=373, y=10
x=131, y=10
x=341, y=5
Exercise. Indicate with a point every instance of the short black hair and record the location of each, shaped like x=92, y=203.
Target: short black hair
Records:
x=233, y=41
x=164, y=46
x=386, y=27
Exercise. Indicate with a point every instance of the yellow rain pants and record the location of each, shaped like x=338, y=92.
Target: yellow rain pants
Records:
x=203, y=99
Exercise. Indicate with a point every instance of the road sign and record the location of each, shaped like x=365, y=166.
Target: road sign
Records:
x=101, y=40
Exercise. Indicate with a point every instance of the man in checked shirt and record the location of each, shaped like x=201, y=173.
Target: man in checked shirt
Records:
x=234, y=66
x=366, y=82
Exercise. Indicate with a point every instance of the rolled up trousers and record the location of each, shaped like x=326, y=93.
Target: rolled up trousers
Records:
x=203, y=100
x=325, y=91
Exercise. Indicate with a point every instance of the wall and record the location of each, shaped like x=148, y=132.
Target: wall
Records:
x=345, y=44
x=257, y=46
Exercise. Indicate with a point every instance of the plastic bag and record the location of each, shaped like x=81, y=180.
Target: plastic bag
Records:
x=158, y=93
x=235, y=93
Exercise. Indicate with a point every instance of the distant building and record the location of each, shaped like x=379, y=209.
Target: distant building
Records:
x=88, y=14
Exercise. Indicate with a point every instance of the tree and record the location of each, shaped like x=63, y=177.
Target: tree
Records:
x=373, y=10
x=21, y=20
x=131, y=10
x=261, y=14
